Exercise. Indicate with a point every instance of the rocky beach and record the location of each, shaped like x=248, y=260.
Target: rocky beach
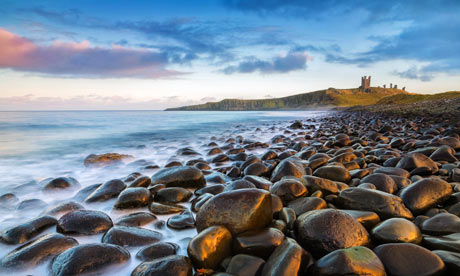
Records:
x=344, y=193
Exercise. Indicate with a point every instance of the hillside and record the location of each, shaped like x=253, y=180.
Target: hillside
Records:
x=323, y=98
x=413, y=98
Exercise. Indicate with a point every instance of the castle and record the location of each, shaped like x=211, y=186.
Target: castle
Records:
x=366, y=85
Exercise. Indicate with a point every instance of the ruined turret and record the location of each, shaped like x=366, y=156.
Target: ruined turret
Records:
x=365, y=84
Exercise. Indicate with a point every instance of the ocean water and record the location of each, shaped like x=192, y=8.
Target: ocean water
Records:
x=35, y=146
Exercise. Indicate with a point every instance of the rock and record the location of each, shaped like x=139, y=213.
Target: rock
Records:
x=287, y=168
x=444, y=153
x=211, y=189
x=106, y=191
x=31, y=205
x=106, y=159
x=350, y=261
x=393, y=171
x=408, y=259
x=165, y=208
x=259, y=182
x=451, y=260
x=85, y=192
x=366, y=218
x=63, y=208
x=143, y=181
x=184, y=176
x=210, y=247
x=61, y=183
x=334, y=173
x=288, y=216
x=84, y=222
x=157, y=251
x=133, y=198
x=239, y=211
x=257, y=169
x=245, y=265
x=441, y=224
x=448, y=242
x=324, y=185
x=8, y=199
x=136, y=219
x=417, y=160
x=384, y=204
x=239, y=184
x=173, y=195
x=182, y=221
x=288, y=259
x=382, y=182
x=167, y=266
x=396, y=230
x=130, y=236
x=288, y=189
x=37, y=251
x=305, y=204
x=27, y=230
x=260, y=243
x=88, y=258
x=323, y=231
x=425, y=193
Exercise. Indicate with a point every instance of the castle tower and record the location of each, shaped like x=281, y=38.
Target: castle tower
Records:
x=365, y=83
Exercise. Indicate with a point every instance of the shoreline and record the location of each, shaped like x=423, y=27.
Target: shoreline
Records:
x=351, y=179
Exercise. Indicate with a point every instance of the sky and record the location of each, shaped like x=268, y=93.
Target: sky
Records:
x=86, y=54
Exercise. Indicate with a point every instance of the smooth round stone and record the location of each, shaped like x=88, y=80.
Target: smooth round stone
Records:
x=37, y=251
x=323, y=231
x=239, y=211
x=288, y=216
x=210, y=189
x=260, y=182
x=130, y=236
x=63, y=208
x=448, y=242
x=415, y=161
x=83, y=193
x=409, y=259
x=350, y=261
x=305, y=204
x=133, y=198
x=183, y=176
x=396, y=230
x=210, y=247
x=441, y=224
x=393, y=171
x=88, y=258
x=425, y=193
x=136, y=219
x=143, y=181
x=334, y=173
x=182, y=221
x=239, y=184
x=287, y=168
x=200, y=201
x=84, y=222
x=173, y=195
x=167, y=266
x=157, y=251
x=326, y=186
x=382, y=182
x=61, y=183
x=245, y=265
x=106, y=191
x=288, y=189
x=366, y=218
x=8, y=199
x=451, y=260
x=260, y=243
x=31, y=205
x=288, y=259
x=165, y=208
x=27, y=230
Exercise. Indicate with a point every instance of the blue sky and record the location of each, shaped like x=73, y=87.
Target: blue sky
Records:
x=156, y=54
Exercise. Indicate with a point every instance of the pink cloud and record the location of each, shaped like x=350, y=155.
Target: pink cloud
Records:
x=81, y=59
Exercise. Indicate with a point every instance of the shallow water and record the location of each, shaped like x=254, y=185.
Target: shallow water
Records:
x=38, y=145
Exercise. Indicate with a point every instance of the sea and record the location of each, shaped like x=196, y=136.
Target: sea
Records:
x=39, y=145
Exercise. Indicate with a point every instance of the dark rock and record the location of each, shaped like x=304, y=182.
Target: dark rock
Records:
x=260, y=243
x=417, y=160
x=239, y=184
x=143, y=181
x=182, y=221
x=409, y=259
x=61, y=183
x=167, y=266
x=393, y=171
x=305, y=204
x=84, y=222
x=134, y=198
x=384, y=204
x=382, y=182
x=324, y=185
x=239, y=211
x=287, y=168
x=63, y=208
x=288, y=259
x=165, y=208
x=85, y=192
x=210, y=247
x=31, y=205
x=288, y=189
x=106, y=191
x=27, y=230
x=173, y=195
x=451, y=260
x=136, y=219
x=448, y=242
x=425, y=193
x=288, y=216
x=396, y=230
x=350, y=261
x=37, y=251
x=211, y=189
x=334, y=173
x=130, y=236
x=88, y=258
x=259, y=182
x=441, y=224
x=245, y=265
x=366, y=218
x=257, y=169
x=157, y=251
x=184, y=176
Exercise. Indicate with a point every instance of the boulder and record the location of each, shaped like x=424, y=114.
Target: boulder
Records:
x=157, y=251
x=425, y=193
x=415, y=161
x=167, y=266
x=288, y=259
x=106, y=191
x=130, y=236
x=260, y=243
x=133, y=198
x=183, y=176
x=106, y=159
x=334, y=173
x=396, y=230
x=173, y=195
x=84, y=222
x=27, y=230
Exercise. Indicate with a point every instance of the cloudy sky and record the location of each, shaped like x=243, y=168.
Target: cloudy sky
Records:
x=87, y=54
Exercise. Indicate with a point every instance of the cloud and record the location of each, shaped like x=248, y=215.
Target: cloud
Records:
x=415, y=74
x=81, y=59
x=281, y=64
x=208, y=99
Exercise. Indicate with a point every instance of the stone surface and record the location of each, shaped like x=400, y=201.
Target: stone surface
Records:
x=136, y=219
x=27, y=230
x=84, y=222
x=130, y=236
x=167, y=266
x=288, y=259
x=183, y=176
x=210, y=247
x=305, y=204
x=396, y=230
x=334, y=173
x=245, y=265
x=260, y=243
x=157, y=251
x=133, y=198
x=106, y=191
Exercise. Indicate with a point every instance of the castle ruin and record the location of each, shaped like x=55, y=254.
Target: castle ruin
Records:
x=365, y=84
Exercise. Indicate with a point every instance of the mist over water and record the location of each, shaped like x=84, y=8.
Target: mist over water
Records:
x=35, y=146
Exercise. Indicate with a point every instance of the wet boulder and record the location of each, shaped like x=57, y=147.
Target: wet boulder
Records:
x=245, y=265
x=143, y=181
x=441, y=224
x=37, y=251
x=425, y=193
x=173, y=195
x=239, y=211
x=393, y=171
x=417, y=160
x=63, y=208
x=288, y=189
x=133, y=198
x=106, y=159
x=88, y=258
x=396, y=230
x=326, y=186
x=382, y=182
x=106, y=191
x=130, y=236
x=260, y=243
x=61, y=183
x=157, y=251
x=287, y=167
x=323, y=231
x=183, y=176
x=84, y=222
x=305, y=204
x=334, y=173
x=165, y=208
x=239, y=184
x=182, y=221
x=136, y=219
x=167, y=266
x=259, y=182
x=288, y=259
x=210, y=247
x=27, y=230
x=366, y=218
x=448, y=242
x=451, y=260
